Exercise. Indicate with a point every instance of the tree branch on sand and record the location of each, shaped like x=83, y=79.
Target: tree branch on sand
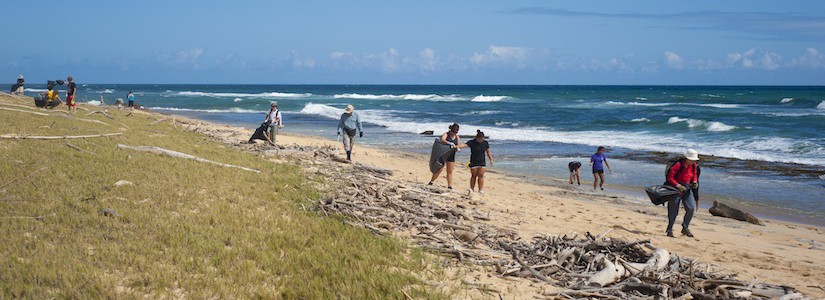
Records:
x=171, y=153
x=64, y=137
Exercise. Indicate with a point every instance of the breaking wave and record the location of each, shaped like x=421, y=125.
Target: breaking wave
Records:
x=272, y=95
x=707, y=125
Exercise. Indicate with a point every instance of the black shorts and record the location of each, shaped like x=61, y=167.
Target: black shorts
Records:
x=450, y=158
x=595, y=171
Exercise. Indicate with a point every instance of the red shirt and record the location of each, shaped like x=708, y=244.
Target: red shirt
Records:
x=688, y=175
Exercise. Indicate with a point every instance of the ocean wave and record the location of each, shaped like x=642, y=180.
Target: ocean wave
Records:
x=229, y=110
x=654, y=104
x=785, y=100
x=821, y=105
x=511, y=124
x=480, y=113
x=106, y=91
x=419, y=97
x=708, y=125
x=237, y=100
x=771, y=150
x=482, y=98
x=638, y=103
x=641, y=98
x=638, y=120
x=711, y=95
x=718, y=105
x=34, y=90
x=271, y=95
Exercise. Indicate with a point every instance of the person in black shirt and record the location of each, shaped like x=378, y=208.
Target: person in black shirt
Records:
x=574, y=167
x=478, y=148
x=71, y=91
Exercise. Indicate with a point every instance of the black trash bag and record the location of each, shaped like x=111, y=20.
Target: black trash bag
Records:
x=661, y=194
x=260, y=133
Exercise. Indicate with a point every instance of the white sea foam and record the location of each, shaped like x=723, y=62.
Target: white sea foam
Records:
x=34, y=90
x=641, y=98
x=237, y=100
x=637, y=103
x=480, y=113
x=708, y=125
x=821, y=105
x=93, y=102
x=638, y=120
x=754, y=149
x=106, y=91
x=482, y=98
x=711, y=95
x=229, y=110
x=719, y=105
x=419, y=97
x=244, y=95
x=786, y=100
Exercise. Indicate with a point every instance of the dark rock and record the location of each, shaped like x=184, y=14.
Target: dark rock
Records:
x=108, y=212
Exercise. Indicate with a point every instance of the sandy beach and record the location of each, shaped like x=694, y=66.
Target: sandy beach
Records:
x=779, y=252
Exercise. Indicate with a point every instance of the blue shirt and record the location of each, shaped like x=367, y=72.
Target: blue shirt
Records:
x=598, y=161
x=131, y=97
x=349, y=121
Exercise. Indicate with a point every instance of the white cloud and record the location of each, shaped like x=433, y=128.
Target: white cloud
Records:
x=300, y=62
x=673, y=60
x=811, y=59
x=428, y=61
x=507, y=55
x=755, y=58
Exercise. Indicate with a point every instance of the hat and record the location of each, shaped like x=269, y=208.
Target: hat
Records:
x=274, y=103
x=20, y=77
x=349, y=108
x=692, y=154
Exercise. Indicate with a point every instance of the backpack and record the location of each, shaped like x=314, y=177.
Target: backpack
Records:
x=673, y=161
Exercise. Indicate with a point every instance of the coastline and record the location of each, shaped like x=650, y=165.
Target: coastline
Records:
x=781, y=252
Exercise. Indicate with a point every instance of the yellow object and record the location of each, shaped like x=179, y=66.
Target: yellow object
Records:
x=52, y=95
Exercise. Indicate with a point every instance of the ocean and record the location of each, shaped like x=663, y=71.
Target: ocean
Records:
x=765, y=146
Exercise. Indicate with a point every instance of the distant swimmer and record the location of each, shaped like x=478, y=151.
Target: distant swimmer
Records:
x=574, y=167
x=478, y=165
x=349, y=125
x=598, y=161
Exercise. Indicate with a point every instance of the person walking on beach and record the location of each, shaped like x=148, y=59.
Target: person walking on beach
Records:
x=598, y=161
x=348, y=125
x=450, y=138
x=275, y=121
x=478, y=165
x=71, y=92
x=131, y=98
x=683, y=175
x=574, y=167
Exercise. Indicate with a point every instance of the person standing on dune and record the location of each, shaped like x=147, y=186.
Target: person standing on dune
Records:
x=350, y=123
x=598, y=161
x=683, y=175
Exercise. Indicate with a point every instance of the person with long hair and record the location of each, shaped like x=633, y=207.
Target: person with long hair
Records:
x=450, y=138
x=478, y=165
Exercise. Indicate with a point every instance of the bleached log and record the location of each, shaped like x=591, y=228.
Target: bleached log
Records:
x=52, y=115
x=656, y=262
x=609, y=274
x=155, y=122
x=377, y=170
x=65, y=137
x=176, y=154
x=100, y=112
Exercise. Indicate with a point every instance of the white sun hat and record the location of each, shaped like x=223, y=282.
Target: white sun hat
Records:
x=692, y=154
x=349, y=108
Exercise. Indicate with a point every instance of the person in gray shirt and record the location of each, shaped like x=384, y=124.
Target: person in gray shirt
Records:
x=349, y=125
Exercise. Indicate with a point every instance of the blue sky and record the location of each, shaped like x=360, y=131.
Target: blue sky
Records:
x=416, y=42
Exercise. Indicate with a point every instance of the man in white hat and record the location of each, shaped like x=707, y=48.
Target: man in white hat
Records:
x=349, y=124
x=18, y=87
x=684, y=176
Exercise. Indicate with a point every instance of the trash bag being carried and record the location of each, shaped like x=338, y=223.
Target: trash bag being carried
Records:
x=661, y=194
x=261, y=132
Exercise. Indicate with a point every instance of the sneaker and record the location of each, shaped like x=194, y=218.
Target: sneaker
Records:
x=480, y=192
x=687, y=232
x=431, y=183
x=602, y=188
x=670, y=234
x=449, y=187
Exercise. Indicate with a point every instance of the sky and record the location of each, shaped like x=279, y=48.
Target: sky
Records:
x=416, y=42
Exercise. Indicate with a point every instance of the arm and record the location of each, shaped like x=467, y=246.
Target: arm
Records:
x=280, y=117
x=358, y=123
x=591, y=161
x=444, y=138
x=490, y=155
x=608, y=165
x=671, y=174
x=340, y=125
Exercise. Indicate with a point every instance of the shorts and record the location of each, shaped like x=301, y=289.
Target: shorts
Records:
x=596, y=171
x=70, y=101
x=450, y=158
x=477, y=166
x=573, y=168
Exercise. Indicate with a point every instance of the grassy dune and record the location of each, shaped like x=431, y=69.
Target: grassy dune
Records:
x=186, y=229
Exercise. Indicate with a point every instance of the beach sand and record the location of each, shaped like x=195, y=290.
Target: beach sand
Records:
x=779, y=252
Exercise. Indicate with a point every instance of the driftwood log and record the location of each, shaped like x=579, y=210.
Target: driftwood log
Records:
x=57, y=137
x=720, y=209
x=176, y=154
x=64, y=114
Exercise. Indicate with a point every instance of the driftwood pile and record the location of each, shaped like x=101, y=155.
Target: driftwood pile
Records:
x=580, y=266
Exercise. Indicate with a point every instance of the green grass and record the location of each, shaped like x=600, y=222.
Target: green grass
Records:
x=187, y=229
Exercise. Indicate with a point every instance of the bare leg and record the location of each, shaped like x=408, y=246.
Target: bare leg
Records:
x=578, y=177
x=595, y=180
x=480, y=177
x=450, y=167
x=601, y=185
x=473, y=178
x=571, y=177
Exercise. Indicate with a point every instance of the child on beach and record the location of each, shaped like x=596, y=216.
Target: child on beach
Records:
x=71, y=92
x=598, y=161
x=574, y=167
x=478, y=147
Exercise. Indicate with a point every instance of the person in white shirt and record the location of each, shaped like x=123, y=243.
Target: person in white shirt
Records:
x=275, y=120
